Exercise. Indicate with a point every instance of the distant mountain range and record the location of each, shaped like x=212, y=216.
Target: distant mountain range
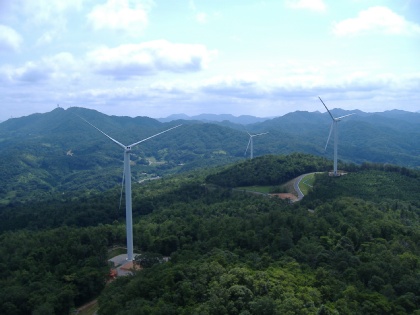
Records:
x=242, y=120
x=58, y=151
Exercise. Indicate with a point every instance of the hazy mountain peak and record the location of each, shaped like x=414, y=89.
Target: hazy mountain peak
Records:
x=242, y=119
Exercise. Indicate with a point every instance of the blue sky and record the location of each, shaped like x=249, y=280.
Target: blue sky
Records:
x=240, y=57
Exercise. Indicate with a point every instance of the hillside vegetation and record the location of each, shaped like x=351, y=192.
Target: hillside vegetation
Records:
x=351, y=246
x=347, y=248
x=351, y=255
x=46, y=154
x=269, y=170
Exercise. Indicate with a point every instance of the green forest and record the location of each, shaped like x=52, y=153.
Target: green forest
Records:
x=43, y=155
x=351, y=246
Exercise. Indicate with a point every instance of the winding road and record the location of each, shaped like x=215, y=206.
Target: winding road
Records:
x=297, y=182
x=296, y=186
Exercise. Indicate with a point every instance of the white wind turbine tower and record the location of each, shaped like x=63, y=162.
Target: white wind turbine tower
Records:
x=334, y=126
x=127, y=179
x=252, y=143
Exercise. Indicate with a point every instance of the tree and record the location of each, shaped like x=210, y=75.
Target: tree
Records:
x=147, y=260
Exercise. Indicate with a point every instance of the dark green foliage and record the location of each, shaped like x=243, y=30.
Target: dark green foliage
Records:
x=255, y=255
x=62, y=210
x=213, y=284
x=370, y=182
x=147, y=260
x=355, y=252
x=269, y=170
x=52, y=271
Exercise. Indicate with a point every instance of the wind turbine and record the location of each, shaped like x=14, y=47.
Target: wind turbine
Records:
x=334, y=127
x=127, y=179
x=252, y=143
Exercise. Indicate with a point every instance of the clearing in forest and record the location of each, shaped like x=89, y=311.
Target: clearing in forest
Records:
x=306, y=183
x=294, y=190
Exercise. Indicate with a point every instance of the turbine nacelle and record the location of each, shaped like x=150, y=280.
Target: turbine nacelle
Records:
x=250, y=142
x=335, y=119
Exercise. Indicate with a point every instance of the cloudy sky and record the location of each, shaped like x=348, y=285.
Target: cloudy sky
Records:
x=253, y=57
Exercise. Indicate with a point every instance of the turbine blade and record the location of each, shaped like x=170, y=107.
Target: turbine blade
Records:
x=329, y=136
x=338, y=118
x=326, y=108
x=136, y=143
x=248, y=145
x=112, y=139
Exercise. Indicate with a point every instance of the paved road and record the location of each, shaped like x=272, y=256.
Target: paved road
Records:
x=296, y=186
x=297, y=182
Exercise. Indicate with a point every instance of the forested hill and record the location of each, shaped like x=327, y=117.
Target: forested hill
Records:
x=269, y=170
x=386, y=137
x=43, y=154
x=242, y=254
x=375, y=183
x=242, y=120
x=344, y=249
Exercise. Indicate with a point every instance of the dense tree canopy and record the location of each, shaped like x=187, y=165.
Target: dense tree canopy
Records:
x=49, y=272
x=269, y=170
x=352, y=246
x=352, y=252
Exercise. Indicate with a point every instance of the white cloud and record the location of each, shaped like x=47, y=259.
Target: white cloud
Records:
x=201, y=17
x=192, y=5
x=47, y=11
x=149, y=58
x=380, y=19
x=314, y=5
x=29, y=72
x=239, y=86
x=9, y=39
x=32, y=72
x=46, y=14
x=301, y=87
x=59, y=66
x=120, y=15
x=46, y=38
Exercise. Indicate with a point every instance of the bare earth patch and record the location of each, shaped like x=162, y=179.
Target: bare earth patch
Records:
x=289, y=196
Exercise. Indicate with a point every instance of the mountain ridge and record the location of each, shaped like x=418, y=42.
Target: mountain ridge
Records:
x=53, y=150
x=242, y=119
